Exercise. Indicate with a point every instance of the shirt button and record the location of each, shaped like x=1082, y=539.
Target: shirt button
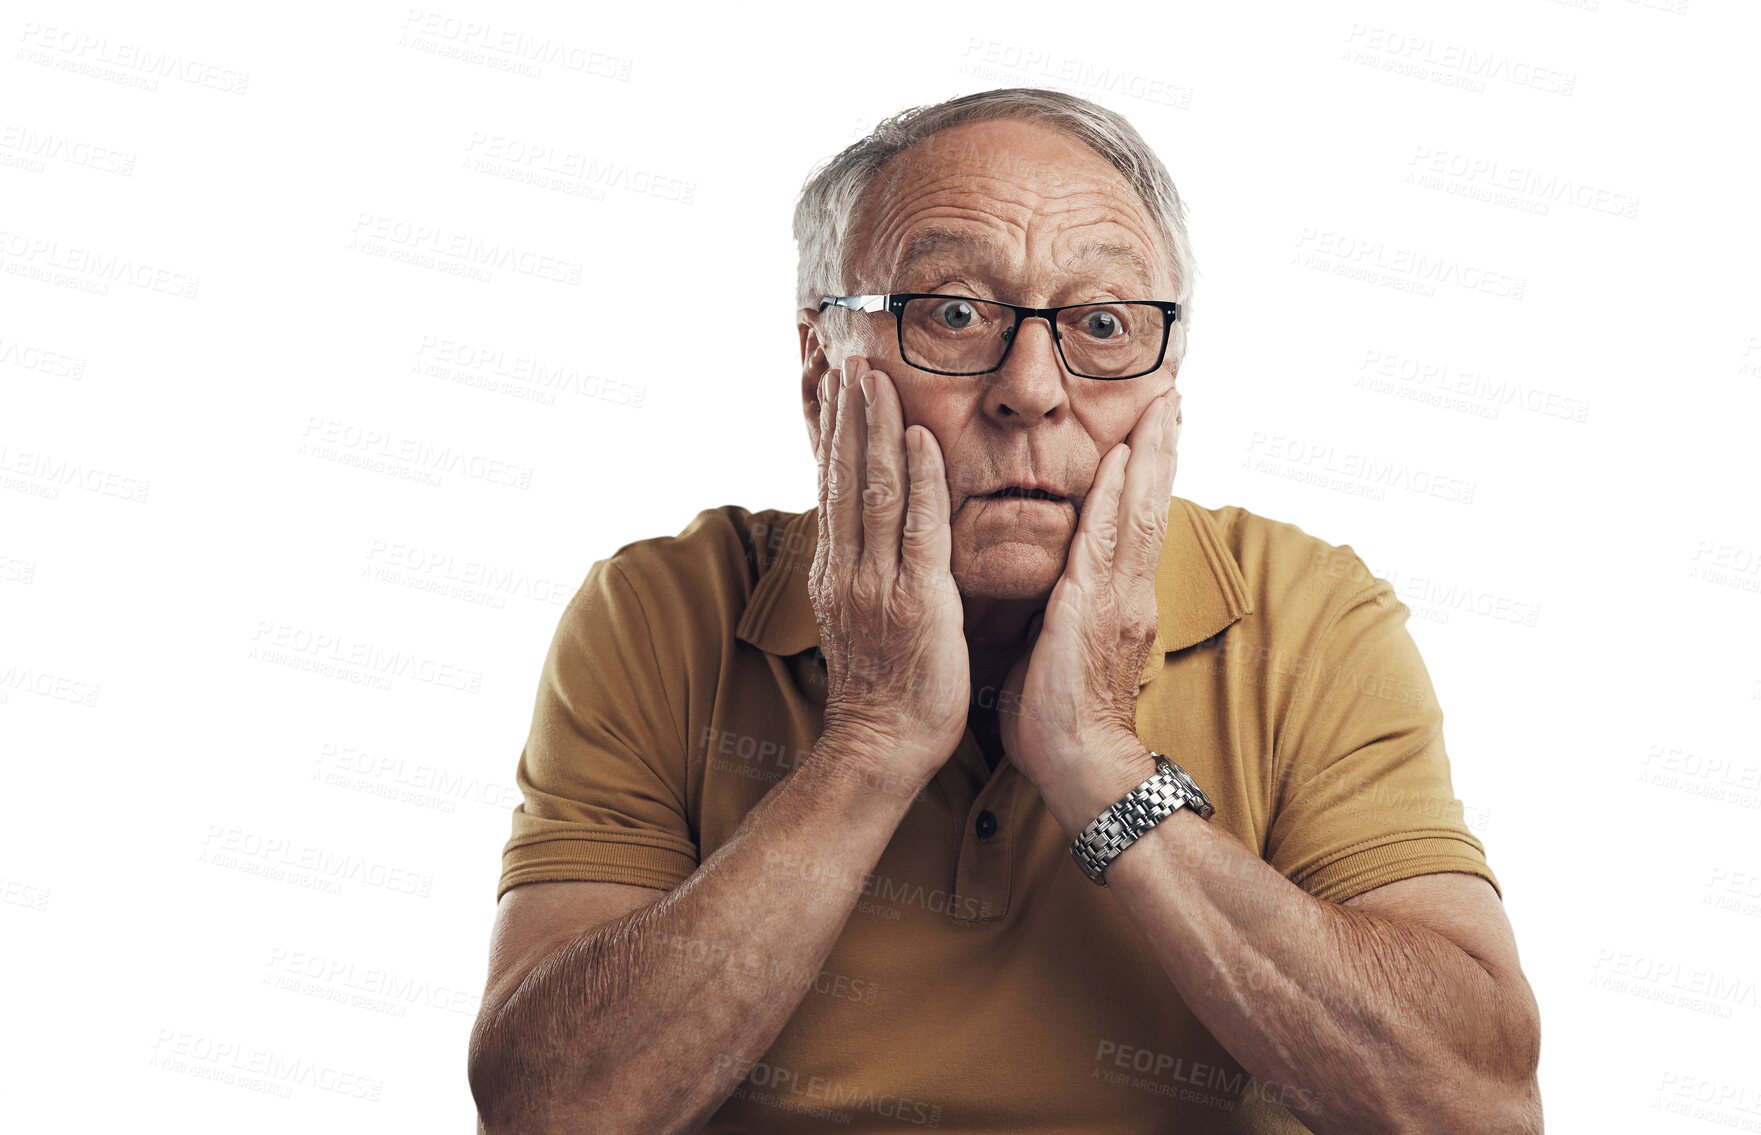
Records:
x=986, y=825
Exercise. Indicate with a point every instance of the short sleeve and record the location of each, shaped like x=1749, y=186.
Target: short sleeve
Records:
x=1362, y=790
x=602, y=774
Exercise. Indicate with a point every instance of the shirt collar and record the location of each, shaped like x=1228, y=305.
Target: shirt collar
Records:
x=1199, y=588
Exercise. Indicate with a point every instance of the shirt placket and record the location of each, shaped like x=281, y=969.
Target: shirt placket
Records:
x=982, y=803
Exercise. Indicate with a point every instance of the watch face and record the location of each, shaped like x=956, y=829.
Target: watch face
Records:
x=1195, y=795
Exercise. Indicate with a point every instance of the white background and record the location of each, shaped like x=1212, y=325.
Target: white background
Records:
x=279, y=558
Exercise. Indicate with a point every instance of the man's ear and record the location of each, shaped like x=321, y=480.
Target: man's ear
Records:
x=814, y=365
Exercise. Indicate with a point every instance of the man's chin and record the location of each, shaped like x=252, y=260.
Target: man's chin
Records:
x=1007, y=570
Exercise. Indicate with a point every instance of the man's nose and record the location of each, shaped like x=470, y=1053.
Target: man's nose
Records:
x=1029, y=386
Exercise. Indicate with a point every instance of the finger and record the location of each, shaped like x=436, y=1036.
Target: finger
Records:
x=1174, y=447
x=828, y=387
x=1097, y=531
x=820, y=418
x=1143, y=509
x=883, y=493
x=926, y=547
x=844, y=473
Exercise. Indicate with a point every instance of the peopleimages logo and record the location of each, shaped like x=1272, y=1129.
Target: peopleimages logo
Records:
x=140, y=66
x=793, y=1086
x=1193, y=1081
x=32, y=149
x=430, y=245
x=52, y=474
x=505, y=48
x=254, y=853
x=1424, y=57
x=261, y=1069
x=1530, y=189
x=87, y=269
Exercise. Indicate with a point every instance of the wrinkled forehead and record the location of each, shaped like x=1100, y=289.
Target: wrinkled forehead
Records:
x=994, y=198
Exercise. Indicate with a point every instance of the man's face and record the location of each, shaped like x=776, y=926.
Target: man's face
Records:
x=1037, y=196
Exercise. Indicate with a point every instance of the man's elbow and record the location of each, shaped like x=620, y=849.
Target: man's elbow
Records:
x=1505, y=1098
x=484, y=1072
x=1524, y=1030
x=1525, y=1106
x=1491, y=1089
x=515, y=1096
x=497, y=1081
x=1477, y=1105
x=1526, y=1118
x=1512, y=1110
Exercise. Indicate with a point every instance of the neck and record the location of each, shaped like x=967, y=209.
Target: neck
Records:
x=996, y=635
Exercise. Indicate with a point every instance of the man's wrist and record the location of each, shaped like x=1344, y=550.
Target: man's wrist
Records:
x=845, y=763
x=1097, y=780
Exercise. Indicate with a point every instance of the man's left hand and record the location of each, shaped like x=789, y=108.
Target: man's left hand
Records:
x=1068, y=720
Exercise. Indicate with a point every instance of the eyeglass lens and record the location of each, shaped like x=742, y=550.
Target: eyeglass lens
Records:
x=969, y=336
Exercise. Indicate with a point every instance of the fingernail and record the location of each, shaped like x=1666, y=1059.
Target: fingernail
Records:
x=822, y=379
x=867, y=387
x=843, y=379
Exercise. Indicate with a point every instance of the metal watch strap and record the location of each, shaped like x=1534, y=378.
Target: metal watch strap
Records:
x=1163, y=794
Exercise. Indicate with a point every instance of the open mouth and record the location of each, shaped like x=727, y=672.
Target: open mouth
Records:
x=1026, y=494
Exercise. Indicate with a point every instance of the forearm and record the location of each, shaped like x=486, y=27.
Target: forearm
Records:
x=630, y=1028
x=1363, y=1024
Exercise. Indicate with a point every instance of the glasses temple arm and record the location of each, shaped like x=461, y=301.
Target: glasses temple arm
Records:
x=855, y=303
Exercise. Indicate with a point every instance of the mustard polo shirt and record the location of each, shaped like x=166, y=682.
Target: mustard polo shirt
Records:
x=982, y=981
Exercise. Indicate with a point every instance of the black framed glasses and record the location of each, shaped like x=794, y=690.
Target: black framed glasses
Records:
x=964, y=335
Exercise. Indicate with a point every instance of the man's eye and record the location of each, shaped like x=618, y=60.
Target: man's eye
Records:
x=1101, y=324
x=957, y=315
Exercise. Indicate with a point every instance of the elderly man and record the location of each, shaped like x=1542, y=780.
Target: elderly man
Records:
x=815, y=804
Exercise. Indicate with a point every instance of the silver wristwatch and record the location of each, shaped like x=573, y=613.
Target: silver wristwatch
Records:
x=1137, y=812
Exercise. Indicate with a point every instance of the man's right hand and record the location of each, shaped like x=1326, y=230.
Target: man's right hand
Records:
x=898, y=682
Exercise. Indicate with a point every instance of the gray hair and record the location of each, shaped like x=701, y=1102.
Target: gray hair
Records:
x=827, y=205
